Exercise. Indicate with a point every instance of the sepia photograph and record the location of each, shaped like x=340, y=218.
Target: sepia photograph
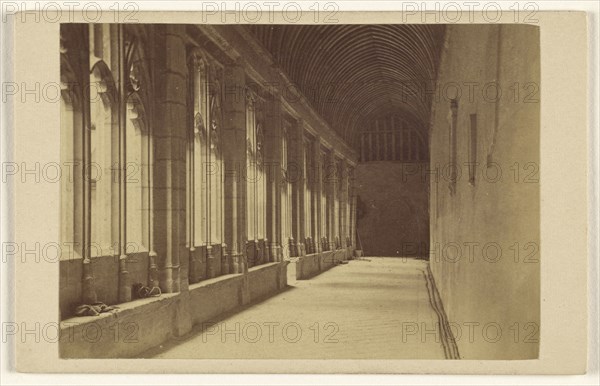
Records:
x=300, y=191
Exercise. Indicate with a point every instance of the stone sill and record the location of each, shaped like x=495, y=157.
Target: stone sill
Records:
x=215, y=281
x=265, y=266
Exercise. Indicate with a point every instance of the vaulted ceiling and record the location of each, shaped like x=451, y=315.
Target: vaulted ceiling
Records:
x=353, y=74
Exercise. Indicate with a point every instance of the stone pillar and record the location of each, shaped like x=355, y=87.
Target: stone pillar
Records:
x=314, y=156
x=344, y=204
x=124, y=284
x=324, y=159
x=170, y=167
x=169, y=172
x=363, y=148
x=273, y=132
x=352, y=209
x=234, y=165
x=334, y=212
x=307, y=190
x=83, y=206
x=354, y=224
x=297, y=175
x=330, y=186
x=317, y=188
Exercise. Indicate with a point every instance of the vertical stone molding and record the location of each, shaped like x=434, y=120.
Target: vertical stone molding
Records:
x=234, y=165
x=296, y=150
x=317, y=189
x=273, y=129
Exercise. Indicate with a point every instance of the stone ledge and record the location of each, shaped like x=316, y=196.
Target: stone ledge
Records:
x=142, y=324
x=122, y=311
x=313, y=264
x=267, y=279
x=133, y=328
x=215, y=281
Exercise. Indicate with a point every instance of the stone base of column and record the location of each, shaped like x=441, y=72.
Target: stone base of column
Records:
x=266, y=252
x=331, y=245
x=301, y=249
x=250, y=253
x=193, y=274
x=275, y=252
x=225, y=260
x=324, y=244
x=236, y=262
x=88, y=295
x=168, y=280
x=293, y=246
x=286, y=252
x=124, y=285
x=211, y=269
x=309, y=248
x=153, y=269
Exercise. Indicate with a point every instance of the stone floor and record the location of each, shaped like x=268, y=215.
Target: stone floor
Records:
x=375, y=308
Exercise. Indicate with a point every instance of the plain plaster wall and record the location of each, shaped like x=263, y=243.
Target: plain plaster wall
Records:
x=490, y=292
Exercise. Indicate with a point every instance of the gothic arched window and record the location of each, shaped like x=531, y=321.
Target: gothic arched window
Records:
x=103, y=167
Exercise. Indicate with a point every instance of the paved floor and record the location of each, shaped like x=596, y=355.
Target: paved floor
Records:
x=376, y=308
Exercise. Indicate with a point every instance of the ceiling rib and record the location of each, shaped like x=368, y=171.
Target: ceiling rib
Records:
x=359, y=72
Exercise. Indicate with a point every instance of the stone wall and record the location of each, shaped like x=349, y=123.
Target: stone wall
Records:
x=485, y=230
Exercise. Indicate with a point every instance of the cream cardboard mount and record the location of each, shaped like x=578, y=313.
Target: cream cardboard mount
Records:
x=560, y=213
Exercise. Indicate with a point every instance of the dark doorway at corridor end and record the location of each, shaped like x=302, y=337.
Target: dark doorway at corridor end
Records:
x=392, y=209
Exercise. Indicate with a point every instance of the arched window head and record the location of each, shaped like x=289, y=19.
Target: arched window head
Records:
x=215, y=114
x=102, y=86
x=259, y=143
x=250, y=98
x=198, y=62
x=199, y=128
x=137, y=112
x=135, y=80
x=214, y=135
x=198, y=92
x=70, y=89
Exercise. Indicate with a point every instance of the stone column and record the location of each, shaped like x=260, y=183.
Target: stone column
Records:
x=317, y=188
x=352, y=204
x=83, y=206
x=169, y=172
x=297, y=175
x=170, y=168
x=307, y=201
x=124, y=284
x=334, y=212
x=273, y=140
x=363, y=147
x=324, y=159
x=344, y=204
x=330, y=176
x=234, y=165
